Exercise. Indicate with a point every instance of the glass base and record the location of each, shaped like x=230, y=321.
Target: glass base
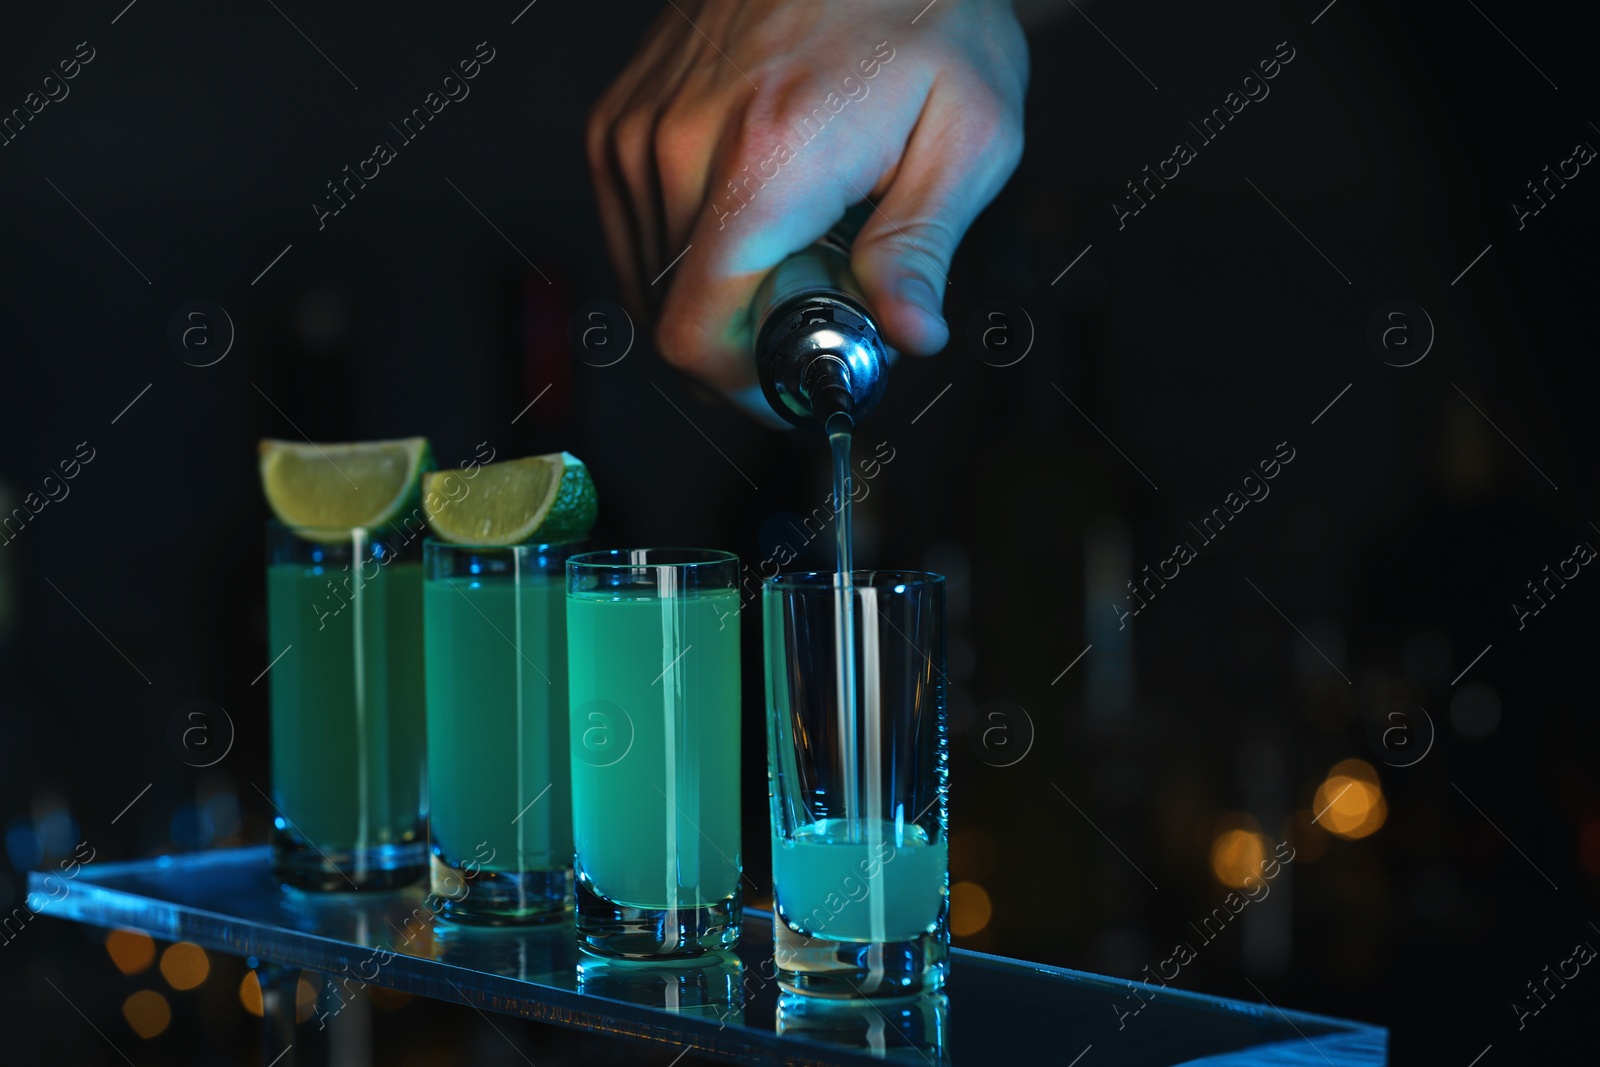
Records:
x=303, y=865
x=855, y=970
x=619, y=931
x=501, y=898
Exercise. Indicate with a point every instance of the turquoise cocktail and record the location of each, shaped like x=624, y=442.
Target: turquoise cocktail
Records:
x=498, y=771
x=653, y=654
x=344, y=621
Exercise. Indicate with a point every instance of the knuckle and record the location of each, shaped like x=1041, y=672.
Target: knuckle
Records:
x=760, y=130
x=630, y=141
x=932, y=237
x=681, y=131
x=992, y=126
x=631, y=131
x=986, y=115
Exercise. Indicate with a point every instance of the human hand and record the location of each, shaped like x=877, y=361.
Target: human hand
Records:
x=741, y=130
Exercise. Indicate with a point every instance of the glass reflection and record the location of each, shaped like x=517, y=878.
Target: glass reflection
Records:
x=899, y=1029
x=528, y=955
x=709, y=986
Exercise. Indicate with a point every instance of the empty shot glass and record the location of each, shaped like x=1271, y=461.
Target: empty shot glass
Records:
x=495, y=629
x=857, y=758
x=653, y=654
x=344, y=623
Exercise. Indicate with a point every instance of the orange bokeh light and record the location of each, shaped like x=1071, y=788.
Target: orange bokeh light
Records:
x=305, y=997
x=1237, y=855
x=185, y=965
x=147, y=1012
x=1349, y=802
x=130, y=950
x=250, y=994
x=970, y=908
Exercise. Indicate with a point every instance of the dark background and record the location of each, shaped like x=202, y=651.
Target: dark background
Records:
x=1196, y=339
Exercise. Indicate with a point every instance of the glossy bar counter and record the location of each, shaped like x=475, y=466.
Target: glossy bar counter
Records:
x=999, y=1010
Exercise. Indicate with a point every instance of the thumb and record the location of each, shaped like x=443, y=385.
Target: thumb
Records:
x=901, y=260
x=956, y=161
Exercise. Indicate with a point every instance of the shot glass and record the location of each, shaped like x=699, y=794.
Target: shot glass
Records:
x=653, y=655
x=499, y=783
x=856, y=749
x=344, y=630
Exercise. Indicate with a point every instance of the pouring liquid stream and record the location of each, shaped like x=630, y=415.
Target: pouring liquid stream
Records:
x=859, y=714
x=822, y=364
x=839, y=427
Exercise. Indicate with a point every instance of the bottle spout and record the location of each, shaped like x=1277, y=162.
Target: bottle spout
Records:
x=835, y=410
x=819, y=352
x=825, y=383
x=821, y=355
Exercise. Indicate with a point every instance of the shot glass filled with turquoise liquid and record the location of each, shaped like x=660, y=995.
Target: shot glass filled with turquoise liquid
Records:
x=344, y=633
x=653, y=655
x=495, y=644
x=857, y=755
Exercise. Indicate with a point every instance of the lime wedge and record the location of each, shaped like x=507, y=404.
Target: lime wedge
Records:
x=548, y=499
x=338, y=486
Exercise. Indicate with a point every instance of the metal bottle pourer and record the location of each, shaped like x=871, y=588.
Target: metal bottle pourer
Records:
x=818, y=349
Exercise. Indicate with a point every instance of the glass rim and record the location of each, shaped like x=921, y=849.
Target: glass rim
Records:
x=874, y=578
x=440, y=543
x=606, y=559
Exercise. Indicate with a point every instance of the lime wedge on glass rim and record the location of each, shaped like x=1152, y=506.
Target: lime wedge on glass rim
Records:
x=543, y=499
x=331, y=487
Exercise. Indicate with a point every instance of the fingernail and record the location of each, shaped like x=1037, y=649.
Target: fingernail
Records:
x=916, y=290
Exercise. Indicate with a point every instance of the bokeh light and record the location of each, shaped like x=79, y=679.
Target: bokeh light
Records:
x=1237, y=852
x=1349, y=802
x=185, y=965
x=250, y=994
x=130, y=950
x=1355, y=768
x=305, y=997
x=147, y=1012
x=970, y=908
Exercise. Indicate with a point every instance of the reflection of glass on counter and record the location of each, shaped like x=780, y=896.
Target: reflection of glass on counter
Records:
x=710, y=986
x=532, y=955
x=909, y=1029
x=393, y=922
